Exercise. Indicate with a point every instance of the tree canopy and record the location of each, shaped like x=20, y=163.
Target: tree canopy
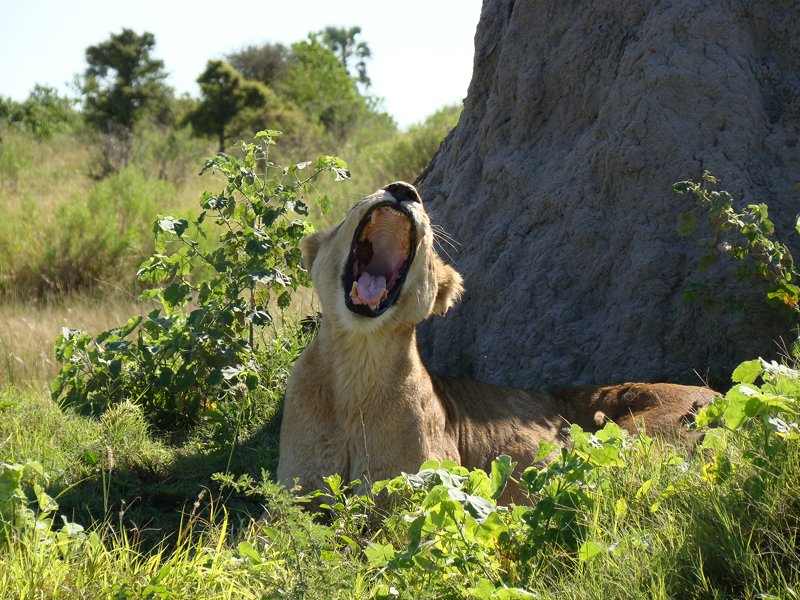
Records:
x=232, y=105
x=268, y=63
x=43, y=113
x=321, y=86
x=342, y=41
x=122, y=80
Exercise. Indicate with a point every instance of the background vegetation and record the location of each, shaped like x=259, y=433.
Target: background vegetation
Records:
x=151, y=318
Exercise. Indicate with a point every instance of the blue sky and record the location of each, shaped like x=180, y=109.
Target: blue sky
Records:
x=422, y=50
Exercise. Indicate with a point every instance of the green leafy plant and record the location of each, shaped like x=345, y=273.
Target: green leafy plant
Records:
x=44, y=113
x=453, y=529
x=747, y=236
x=765, y=416
x=19, y=515
x=570, y=485
x=455, y=537
x=196, y=351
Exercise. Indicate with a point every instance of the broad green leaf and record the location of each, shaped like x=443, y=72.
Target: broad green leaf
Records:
x=246, y=550
x=172, y=225
x=589, y=550
x=643, y=489
x=545, y=449
x=715, y=439
x=45, y=502
x=682, y=187
x=174, y=295
x=620, y=507
x=379, y=554
x=736, y=411
x=502, y=467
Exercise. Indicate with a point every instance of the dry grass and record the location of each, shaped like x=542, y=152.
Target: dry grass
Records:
x=29, y=330
x=42, y=175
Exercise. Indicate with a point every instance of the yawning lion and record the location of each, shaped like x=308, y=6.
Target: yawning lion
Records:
x=359, y=401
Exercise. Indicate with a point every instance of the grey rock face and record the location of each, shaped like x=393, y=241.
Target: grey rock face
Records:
x=557, y=182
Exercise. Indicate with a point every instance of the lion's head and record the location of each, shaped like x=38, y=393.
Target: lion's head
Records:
x=378, y=267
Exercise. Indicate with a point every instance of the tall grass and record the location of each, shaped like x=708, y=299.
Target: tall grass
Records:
x=667, y=527
x=65, y=231
x=30, y=328
x=157, y=524
x=375, y=161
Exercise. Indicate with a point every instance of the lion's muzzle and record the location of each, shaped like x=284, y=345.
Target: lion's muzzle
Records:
x=380, y=257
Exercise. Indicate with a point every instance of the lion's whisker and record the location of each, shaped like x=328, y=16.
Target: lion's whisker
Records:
x=443, y=250
x=440, y=232
x=449, y=242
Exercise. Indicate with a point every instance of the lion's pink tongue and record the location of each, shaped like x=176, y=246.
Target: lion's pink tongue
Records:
x=369, y=290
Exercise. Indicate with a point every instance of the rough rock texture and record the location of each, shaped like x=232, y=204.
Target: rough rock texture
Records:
x=557, y=182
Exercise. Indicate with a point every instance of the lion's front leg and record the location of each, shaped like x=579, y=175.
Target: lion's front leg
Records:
x=311, y=439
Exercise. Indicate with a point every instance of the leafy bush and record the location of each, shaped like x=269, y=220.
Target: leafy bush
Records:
x=43, y=113
x=18, y=517
x=170, y=153
x=406, y=155
x=591, y=506
x=90, y=240
x=197, y=351
x=15, y=156
x=320, y=85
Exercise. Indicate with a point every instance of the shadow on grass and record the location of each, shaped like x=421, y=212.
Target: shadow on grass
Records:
x=151, y=503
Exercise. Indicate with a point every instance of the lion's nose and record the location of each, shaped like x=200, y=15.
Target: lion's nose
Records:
x=403, y=192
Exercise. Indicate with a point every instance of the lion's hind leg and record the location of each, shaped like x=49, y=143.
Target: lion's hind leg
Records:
x=658, y=408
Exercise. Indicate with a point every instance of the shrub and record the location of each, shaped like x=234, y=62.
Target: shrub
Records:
x=747, y=236
x=44, y=113
x=406, y=155
x=196, y=352
x=90, y=240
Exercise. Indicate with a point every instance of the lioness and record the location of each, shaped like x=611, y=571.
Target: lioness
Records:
x=359, y=401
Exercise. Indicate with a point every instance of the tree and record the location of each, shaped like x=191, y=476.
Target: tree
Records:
x=321, y=86
x=122, y=81
x=342, y=41
x=232, y=105
x=43, y=113
x=268, y=63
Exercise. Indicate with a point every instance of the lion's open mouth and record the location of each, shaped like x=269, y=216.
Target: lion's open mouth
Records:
x=380, y=256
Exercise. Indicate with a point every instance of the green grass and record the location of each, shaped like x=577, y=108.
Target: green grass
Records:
x=118, y=468
x=72, y=226
x=196, y=515
x=667, y=523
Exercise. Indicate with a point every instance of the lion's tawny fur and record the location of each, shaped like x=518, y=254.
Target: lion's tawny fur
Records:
x=360, y=402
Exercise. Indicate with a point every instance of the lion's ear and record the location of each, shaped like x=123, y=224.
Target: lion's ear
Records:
x=449, y=287
x=310, y=246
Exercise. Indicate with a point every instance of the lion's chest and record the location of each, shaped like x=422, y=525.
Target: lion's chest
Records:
x=390, y=425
